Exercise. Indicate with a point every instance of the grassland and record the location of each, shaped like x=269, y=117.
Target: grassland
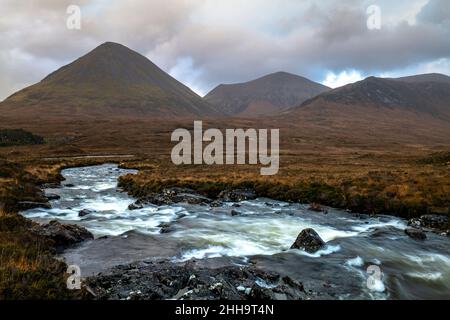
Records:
x=399, y=172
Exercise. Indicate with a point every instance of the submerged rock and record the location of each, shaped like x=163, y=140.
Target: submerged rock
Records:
x=237, y=195
x=235, y=213
x=189, y=280
x=415, y=233
x=63, y=235
x=84, y=212
x=308, y=240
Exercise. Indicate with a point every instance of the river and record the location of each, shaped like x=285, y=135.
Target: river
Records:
x=261, y=234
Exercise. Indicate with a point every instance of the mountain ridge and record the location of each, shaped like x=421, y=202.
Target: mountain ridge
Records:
x=265, y=95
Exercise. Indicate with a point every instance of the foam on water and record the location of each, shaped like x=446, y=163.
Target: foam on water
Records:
x=264, y=227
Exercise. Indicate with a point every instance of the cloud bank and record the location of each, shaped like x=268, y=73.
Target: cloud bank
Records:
x=207, y=42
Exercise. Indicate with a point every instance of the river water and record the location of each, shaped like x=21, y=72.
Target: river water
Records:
x=261, y=234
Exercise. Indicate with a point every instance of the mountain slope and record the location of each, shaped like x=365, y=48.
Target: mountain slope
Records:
x=268, y=94
x=377, y=94
x=109, y=80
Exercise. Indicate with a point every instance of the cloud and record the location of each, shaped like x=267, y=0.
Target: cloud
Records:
x=207, y=42
x=333, y=80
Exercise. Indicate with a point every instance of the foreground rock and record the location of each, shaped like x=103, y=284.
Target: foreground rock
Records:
x=309, y=241
x=63, y=235
x=170, y=196
x=185, y=281
x=415, y=233
x=237, y=195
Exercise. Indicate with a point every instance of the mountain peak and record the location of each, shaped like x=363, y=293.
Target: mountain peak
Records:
x=268, y=94
x=113, y=76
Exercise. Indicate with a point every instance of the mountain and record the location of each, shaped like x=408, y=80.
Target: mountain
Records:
x=269, y=94
x=111, y=80
x=421, y=94
x=428, y=77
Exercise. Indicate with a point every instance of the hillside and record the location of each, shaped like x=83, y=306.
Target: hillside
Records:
x=269, y=94
x=111, y=80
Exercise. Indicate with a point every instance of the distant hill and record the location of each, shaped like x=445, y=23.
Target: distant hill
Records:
x=269, y=94
x=111, y=80
x=427, y=77
x=422, y=94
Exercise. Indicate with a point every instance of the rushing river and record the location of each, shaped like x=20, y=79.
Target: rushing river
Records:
x=262, y=234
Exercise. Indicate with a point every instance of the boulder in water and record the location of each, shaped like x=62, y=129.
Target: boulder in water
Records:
x=84, y=212
x=308, y=240
x=63, y=235
x=415, y=233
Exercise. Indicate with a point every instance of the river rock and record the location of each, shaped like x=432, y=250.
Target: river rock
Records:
x=415, y=233
x=434, y=221
x=308, y=240
x=135, y=206
x=84, y=212
x=173, y=195
x=237, y=195
x=192, y=281
x=235, y=213
x=63, y=235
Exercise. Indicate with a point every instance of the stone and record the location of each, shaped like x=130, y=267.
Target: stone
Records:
x=237, y=195
x=415, y=233
x=308, y=240
x=63, y=235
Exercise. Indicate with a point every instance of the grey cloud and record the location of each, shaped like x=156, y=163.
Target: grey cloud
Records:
x=309, y=38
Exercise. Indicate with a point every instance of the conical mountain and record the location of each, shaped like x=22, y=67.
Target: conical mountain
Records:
x=111, y=80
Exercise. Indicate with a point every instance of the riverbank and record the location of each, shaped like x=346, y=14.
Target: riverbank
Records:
x=409, y=189
x=406, y=189
x=245, y=233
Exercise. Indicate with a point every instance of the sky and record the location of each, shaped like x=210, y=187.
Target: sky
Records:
x=204, y=43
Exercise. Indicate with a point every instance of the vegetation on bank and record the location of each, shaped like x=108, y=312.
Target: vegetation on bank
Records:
x=28, y=269
x=18, y=137
x=408, y=192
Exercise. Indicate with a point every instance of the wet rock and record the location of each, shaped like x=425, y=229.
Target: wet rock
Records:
x=431, y=222
x=216, y=203
x=52, y=196
x=173, y=195
x=237, y=195
x=309, y=241
x=69, y=185
x=235, y=213
x=26, y=205
x=166, y=228
x=434, y=221
x=190, y=280
x=135, y=206
x=84, y=212
x=415, y=233
x=63, y=235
